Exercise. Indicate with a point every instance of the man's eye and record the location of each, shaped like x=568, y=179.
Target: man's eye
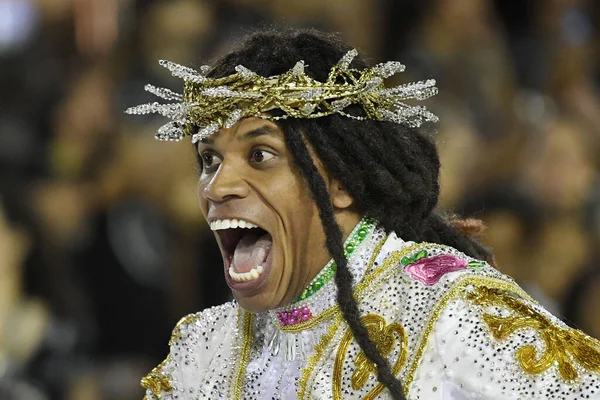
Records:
x=261, y=156
x=210, y=161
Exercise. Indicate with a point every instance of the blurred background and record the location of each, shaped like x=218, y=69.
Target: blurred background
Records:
x=102, y=245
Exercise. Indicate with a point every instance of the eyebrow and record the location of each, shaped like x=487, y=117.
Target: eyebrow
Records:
x=265, y=130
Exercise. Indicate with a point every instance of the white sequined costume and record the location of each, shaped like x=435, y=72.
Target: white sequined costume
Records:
x=452, y=328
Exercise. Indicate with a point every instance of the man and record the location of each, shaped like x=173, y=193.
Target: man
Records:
x=321, y=191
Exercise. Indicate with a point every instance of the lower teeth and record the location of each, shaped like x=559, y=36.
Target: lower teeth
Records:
x=251, y=275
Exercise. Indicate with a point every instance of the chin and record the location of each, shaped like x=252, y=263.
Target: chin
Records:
x=269, y=298
x=256, y=304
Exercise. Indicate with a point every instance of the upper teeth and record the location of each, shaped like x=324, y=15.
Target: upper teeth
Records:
x=231, y=223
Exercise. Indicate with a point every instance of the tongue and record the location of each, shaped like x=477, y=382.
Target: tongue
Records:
x=251, y=251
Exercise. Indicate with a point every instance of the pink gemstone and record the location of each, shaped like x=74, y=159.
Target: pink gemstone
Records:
x=295, y=313
x=305, y=310
x=292, y=321
x=305, y=317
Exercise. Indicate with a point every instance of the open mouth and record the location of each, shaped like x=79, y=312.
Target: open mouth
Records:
x=246, y=249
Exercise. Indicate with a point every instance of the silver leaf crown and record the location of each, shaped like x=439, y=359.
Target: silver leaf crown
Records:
x=209, y=104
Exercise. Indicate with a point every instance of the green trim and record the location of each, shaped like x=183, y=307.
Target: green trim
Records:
x=359, y=234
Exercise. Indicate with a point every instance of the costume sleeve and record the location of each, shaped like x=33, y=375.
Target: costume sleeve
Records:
x=493, y=343
x=194, y=344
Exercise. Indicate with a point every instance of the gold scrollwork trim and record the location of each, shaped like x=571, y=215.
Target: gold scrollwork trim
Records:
x=459, y=287
x=387, y=266
x=244, y=357
x=457, y=291
x=383, y=336
x=332, y=329
x=391, y=261
x=562, y=346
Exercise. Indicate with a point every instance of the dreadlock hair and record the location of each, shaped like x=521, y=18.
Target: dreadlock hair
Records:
x=390, y=170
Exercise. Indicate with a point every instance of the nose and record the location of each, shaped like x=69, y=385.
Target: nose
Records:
x=226, y=184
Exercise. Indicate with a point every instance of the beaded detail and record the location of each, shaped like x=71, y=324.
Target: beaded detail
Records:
x=294, y=316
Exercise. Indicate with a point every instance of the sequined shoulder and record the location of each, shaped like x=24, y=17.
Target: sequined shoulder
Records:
x=193, y=341
x=202, y=322
x=490, y=338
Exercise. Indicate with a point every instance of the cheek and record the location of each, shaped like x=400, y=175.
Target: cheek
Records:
x=292, y=186
x=293, y=202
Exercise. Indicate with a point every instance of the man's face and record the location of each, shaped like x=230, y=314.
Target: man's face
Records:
x=248, y=175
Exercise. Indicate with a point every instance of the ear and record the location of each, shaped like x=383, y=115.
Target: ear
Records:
x=340, y=198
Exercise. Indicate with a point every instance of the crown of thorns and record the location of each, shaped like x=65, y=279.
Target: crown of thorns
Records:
x=208, y=105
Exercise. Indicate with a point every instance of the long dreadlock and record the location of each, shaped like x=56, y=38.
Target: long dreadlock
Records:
x=390, y=170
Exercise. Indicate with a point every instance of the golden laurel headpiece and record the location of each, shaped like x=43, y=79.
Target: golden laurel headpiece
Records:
x=210, y=104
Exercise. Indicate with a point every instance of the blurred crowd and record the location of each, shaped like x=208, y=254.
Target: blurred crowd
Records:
x=102, y=244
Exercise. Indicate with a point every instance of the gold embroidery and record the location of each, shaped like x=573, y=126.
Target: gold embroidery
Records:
x=456, y=292
x=359, y=290
x=332, y=329
x=562, y=346
x=157, y=381
x=247, y=338
x=383, y=336
x=389, y=267
x=583, y=349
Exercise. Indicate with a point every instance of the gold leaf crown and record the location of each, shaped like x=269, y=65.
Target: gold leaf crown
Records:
x=208, y=105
